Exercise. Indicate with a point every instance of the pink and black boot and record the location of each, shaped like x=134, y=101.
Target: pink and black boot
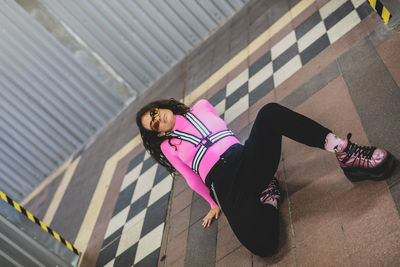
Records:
x=271, y=195
x=364, y=162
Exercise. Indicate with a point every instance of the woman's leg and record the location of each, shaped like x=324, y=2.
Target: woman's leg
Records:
x=255, y=225
x=262, y=150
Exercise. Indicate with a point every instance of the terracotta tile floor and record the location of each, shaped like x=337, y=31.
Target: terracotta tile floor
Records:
x=348, y=85
x=325, y=219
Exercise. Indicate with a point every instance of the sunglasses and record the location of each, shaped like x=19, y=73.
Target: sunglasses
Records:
x=155, y=119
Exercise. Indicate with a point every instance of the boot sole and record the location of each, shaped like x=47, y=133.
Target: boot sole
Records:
x=382, y=172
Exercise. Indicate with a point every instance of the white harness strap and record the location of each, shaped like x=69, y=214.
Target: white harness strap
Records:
x=208, y=138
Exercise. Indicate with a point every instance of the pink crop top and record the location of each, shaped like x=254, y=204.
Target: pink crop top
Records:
x=182, y=158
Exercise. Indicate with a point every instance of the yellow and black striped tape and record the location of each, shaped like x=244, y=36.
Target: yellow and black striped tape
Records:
x=37, y=221
x=381, y=10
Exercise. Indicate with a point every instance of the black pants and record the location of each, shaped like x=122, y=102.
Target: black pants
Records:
x=244, y=171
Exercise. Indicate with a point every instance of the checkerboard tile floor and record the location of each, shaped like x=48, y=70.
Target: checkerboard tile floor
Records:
x=135, y=231
x=287, y=56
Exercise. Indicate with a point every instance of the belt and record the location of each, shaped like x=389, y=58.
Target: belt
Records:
x=220, y=163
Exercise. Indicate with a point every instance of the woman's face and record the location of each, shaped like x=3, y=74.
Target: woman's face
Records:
x=166, y=120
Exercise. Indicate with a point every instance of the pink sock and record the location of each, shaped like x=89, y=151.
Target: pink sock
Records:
x=333, y=143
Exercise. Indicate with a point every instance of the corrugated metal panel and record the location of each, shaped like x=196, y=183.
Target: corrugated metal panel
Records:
x=141, y=40
x=50, y=104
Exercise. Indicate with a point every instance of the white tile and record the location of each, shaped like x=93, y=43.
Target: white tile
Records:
x=138, y=218
x=149, y=243
x=131, y=176
x=146, y=155
x=237, y=109
x=129, y=237
x=110, y=263
x=144, y=182
x=237, y=82
x=220, y=107
x=311, y=36
x=117, y=221
x=330, y=7
x=343, y=26
x=160, y=189
x=260, y=77
x=357, y=3
x=287, y=70
x=283, y=45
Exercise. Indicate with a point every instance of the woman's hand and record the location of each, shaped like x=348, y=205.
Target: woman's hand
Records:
x=210, y=215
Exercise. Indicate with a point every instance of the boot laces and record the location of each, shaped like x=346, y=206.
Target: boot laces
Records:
x=352, y=149
x=272, y=191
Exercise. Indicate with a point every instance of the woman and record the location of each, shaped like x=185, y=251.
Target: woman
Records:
x=240, y=179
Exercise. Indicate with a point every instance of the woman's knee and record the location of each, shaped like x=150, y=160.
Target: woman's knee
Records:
x=269, y=111
x=271, y=108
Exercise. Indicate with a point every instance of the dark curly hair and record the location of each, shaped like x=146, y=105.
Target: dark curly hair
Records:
x=151, y=140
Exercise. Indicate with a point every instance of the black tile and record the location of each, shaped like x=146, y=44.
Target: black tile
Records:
x=307, y=25
x=127, y=258
x=222, y=116
x=124, y=198
x=260, y=63
x=218, y=97
x=135, y=161
x=364, y=10
x=235, y=96
x=161, y=201
x=161, y=174
x=261, y=90
x=139, y=205
x=314, y=49
x=338, y=14
x=112, y=237
x=284, y=58
x=155, y=215
x=149, y=260
x=147, y=164
x=108, y=253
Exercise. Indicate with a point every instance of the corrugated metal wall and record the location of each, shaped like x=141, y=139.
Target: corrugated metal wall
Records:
x=50, y=104
x=139, y=39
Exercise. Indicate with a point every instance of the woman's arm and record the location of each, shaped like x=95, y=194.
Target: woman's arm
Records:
x=193, y=180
